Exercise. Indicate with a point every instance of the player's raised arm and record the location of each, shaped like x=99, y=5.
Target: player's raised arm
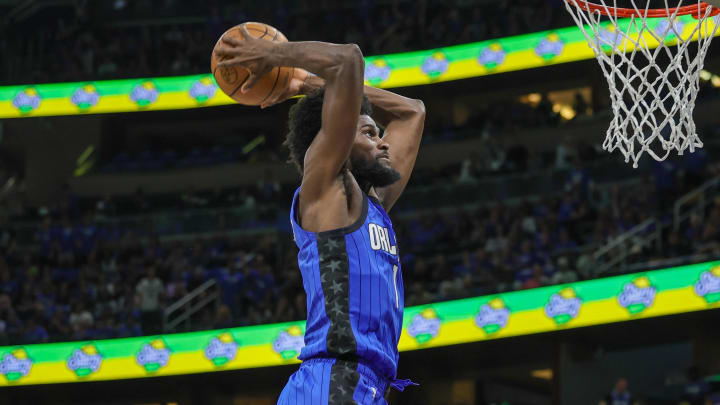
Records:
x=331, y=147
x=342, y=68
x=403, y=119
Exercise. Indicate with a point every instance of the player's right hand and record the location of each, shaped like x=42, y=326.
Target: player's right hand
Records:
x=297, y=86
x=256, y=55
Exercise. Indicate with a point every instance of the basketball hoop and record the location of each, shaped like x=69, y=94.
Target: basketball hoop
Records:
x=652, y=104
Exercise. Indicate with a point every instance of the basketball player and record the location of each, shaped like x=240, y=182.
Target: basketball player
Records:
x=352, y=175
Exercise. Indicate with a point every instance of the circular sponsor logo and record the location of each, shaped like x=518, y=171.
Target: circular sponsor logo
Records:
x=289, y=343
x=637, y=295
x=563, y=306
x=377, y=71
x=221, y=349
x=708, y=285
x=27, y=100
x=550, y=47
x=202, y=90
x=15, y=364
x=144, y=94
x=435, y=65
x=492, y=56
x=84, y=361
x=85, y=96
x=492, y=316
x=153, y=355
x=424, y=325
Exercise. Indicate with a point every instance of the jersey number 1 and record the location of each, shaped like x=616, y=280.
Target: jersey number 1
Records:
x=397, y=300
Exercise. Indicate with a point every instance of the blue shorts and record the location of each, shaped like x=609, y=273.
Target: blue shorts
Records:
x=334, y=382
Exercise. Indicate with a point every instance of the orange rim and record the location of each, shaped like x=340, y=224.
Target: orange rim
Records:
x=651, y=13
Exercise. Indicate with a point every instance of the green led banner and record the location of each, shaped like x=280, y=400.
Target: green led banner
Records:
x=386, y=71
x=614, y=299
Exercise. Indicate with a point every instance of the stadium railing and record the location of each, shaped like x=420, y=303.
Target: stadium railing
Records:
x=694, y=202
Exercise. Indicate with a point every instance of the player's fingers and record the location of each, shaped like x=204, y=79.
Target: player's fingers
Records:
x=234, y=59
x=230, y=62
x=250, y=82
x=222, y=50
x=244, y=31
x=231, y=41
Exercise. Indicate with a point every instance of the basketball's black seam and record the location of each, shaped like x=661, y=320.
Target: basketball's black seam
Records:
x=264, y=33
x=273, y=87
x=256, y=30
x=236, y=88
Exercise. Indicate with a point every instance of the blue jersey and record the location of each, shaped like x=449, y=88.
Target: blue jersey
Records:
x=354, y=289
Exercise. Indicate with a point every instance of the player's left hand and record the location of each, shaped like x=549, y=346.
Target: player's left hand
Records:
x=296, y=86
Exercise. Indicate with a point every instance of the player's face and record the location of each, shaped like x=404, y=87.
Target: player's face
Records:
x=370, y=157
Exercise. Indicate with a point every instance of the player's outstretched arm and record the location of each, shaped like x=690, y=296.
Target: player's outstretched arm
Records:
x=403, y=119
x=342, y=68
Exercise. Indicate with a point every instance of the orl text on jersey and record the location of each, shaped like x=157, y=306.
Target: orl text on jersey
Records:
x=380, y=239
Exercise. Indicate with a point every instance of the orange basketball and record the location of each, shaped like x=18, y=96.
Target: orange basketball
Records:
x=230, y=79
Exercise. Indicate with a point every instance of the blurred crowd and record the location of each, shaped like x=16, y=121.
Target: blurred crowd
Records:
x=138, y=38
x=80, y=269
x=696, y=389
x=149, y=154
x=86, y=278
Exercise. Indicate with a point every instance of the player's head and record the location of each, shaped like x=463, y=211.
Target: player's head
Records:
x=369, y=160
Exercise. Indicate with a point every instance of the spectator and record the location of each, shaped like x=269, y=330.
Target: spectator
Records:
x=619, y=395
x=35, y=333
x=564, y=273
x=223, y=318
x=580, y=105
x=268, y=187
x=533, y=277
x=58, y=328
x=129, y=328
x=696, y=388
x=150, y=293
x=80, y=317
x=466, y=172
x=77, y=54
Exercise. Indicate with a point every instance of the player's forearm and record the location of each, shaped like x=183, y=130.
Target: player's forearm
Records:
x=326, y=60
x=387, y=106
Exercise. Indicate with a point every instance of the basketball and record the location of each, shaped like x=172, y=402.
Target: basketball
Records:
x=230, y=79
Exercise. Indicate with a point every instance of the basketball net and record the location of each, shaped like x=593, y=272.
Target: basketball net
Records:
x=652, y=104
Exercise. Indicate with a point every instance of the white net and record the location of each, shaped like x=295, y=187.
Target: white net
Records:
x=653, y=74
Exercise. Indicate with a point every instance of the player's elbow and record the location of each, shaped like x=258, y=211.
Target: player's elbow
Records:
x=350, y=67
x=419, y=107
x=352, y=54
x=345, y=61
x=353, y=60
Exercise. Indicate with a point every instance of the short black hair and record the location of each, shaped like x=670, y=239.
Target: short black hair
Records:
x=304, y=122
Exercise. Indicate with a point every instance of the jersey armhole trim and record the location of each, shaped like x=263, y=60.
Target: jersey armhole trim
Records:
x=352, y=227
x=375, y=200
